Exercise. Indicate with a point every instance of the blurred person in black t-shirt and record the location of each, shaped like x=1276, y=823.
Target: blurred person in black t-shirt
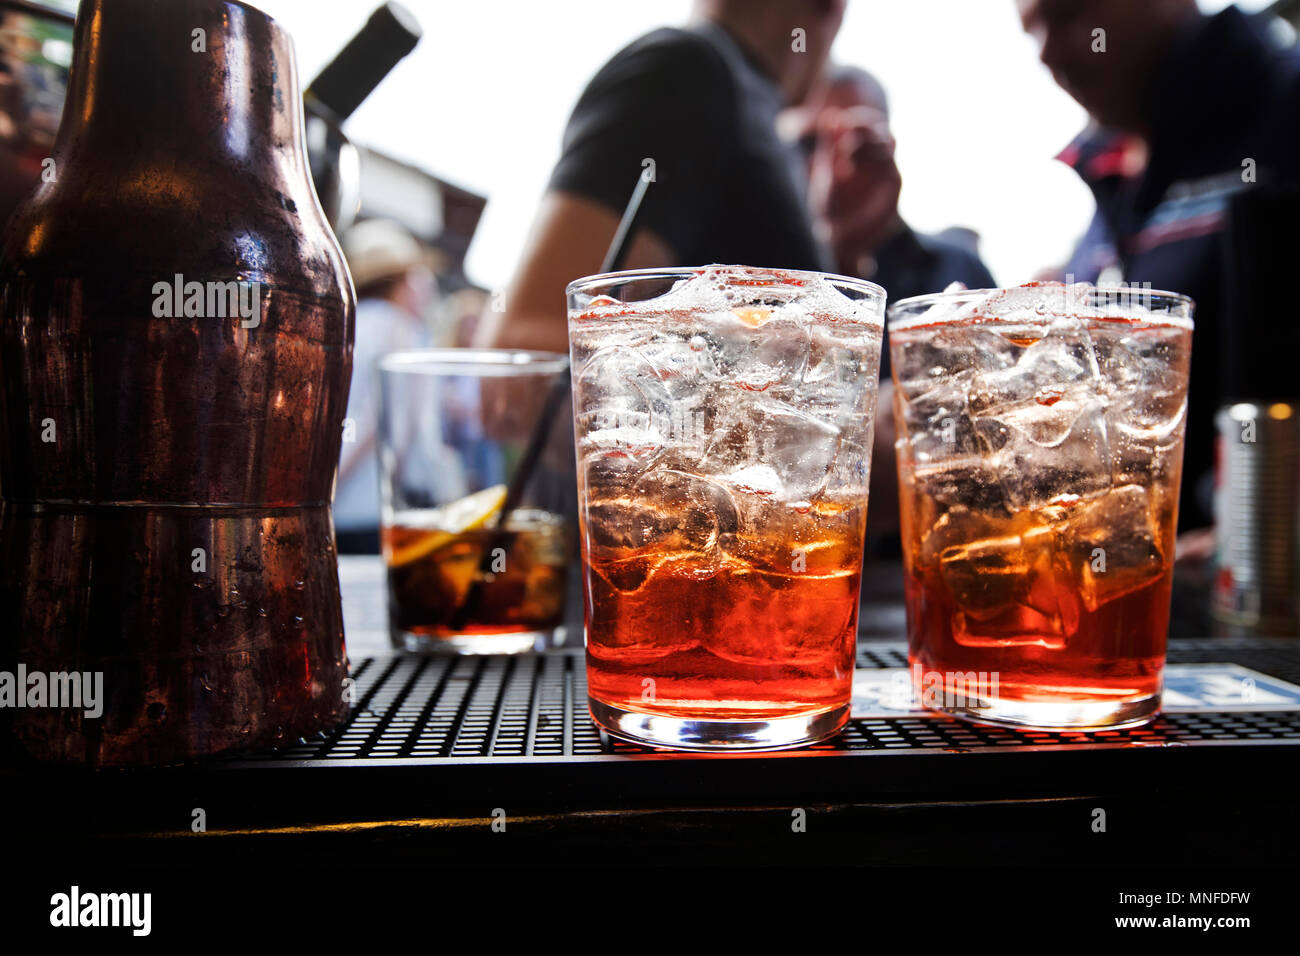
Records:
x=699, y=102
x=1186, y=111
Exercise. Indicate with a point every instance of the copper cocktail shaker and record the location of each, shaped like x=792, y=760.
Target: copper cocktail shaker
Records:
x=175, y=355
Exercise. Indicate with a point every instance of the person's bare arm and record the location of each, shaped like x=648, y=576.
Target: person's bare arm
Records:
x=568, y=241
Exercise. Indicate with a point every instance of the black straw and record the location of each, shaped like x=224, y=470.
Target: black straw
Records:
x=618, y=249
x=502, y=537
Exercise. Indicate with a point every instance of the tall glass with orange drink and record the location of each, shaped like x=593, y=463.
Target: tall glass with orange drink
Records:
x=1039, y=455
x=723, y=421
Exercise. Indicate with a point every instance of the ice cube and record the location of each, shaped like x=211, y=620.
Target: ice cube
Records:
x=838, y=363
x=937, y=423
x=850, y=471
x=957, y=526
x=757, y=357
x=1032, y=302
x=627, y=574
x=1145, y=372
x=761, y=438
x=933, y=359
x=619, y=393
x=972, y=481
x=1007, y=593
x=984, y=575
x=684, y=397
x=993, y=348
x=1112, y=545
x=1045, y=421
x=664, y=513
x=682, y=364
x=1036, y=464
x=1061, y=361
x=755, y=480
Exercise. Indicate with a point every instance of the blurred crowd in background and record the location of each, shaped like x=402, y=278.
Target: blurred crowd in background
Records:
x=767, y=153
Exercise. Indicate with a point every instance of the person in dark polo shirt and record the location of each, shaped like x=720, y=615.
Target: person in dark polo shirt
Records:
x=843, y=130
x=700, y=104
x=1186, y=110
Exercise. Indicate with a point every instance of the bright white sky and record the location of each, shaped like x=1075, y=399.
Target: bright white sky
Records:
x=483, y=100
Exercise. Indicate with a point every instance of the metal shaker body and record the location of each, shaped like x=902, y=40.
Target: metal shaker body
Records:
x=168, y=465
x=1257, y=518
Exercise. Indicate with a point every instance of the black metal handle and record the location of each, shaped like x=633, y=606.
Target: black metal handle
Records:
x=389, y=34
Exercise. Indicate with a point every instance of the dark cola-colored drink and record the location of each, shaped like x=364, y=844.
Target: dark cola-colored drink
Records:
x=438, y=587
x=175, y=353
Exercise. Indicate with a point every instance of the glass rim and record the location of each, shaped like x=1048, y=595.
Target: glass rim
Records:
x=782, y=276
x=896, y=321
x=473, y=361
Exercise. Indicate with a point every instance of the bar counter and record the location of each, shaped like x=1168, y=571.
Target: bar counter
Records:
x=493, y=760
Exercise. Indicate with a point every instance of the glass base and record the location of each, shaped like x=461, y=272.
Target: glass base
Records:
x=1075, y=715
x=520, y=642
x=718, y=736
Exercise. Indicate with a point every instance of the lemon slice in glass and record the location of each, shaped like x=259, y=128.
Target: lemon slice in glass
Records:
x=753, y=316
x=464, y=514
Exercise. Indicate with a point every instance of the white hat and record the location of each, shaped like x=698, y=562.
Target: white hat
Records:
x=379, y=249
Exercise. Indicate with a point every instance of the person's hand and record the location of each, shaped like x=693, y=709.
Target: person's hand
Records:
x=854, y=182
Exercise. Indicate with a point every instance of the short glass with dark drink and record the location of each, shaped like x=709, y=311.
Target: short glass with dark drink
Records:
x=723, y=422
x=468, y=570
x=1039, y=456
